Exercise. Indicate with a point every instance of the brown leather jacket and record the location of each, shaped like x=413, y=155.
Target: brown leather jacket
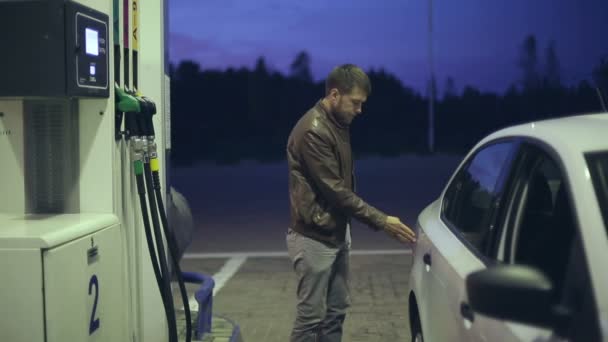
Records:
x=321, y=179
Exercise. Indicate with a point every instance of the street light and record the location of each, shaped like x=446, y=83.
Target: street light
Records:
x=431, y=133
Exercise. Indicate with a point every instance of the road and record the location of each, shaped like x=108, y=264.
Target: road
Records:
x=241, y=214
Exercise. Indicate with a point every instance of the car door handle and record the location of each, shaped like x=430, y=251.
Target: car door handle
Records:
x=427, y=259
x=467, y=312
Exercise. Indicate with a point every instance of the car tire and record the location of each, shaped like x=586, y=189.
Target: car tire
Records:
x=417, y=330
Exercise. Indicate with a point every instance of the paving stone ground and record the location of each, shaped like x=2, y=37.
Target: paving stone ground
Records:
x=260, y=299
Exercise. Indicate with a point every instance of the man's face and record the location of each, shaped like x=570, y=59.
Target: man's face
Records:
x=348, y=106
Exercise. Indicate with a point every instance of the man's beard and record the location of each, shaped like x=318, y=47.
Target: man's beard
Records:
x=342, y=117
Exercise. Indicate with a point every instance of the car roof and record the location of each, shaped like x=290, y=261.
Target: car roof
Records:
x=581, y=133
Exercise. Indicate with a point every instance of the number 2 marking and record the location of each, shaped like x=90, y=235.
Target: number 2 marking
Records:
x=94, y=324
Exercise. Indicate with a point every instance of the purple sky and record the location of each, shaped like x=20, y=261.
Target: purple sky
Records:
x=476, y=42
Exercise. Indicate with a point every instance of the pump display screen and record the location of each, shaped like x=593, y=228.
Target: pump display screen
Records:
x=89, y=41
x=92, y=42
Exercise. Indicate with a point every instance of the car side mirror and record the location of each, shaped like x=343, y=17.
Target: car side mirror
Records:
x=516, y=293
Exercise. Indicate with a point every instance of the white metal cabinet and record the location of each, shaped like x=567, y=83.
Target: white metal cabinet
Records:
x=62, y=279
x=21, y=297
x=83, y=289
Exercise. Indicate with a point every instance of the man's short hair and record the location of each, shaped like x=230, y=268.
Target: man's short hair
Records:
x=346, y=77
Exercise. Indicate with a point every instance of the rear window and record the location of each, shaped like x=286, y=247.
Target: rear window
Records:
x=598, y=169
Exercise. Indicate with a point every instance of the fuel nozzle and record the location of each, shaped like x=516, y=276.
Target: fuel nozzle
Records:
x=144, y=118
x=138, y=111
x=148, y=109
x=126, y=102
x=139, y=126
x=129, y=104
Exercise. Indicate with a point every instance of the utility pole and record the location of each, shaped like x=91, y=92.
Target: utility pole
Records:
x=431, y=133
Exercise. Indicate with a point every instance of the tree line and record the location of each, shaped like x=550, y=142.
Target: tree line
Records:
x=227, y=116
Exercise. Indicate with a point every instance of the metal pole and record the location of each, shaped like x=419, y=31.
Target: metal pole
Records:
x=431, y=133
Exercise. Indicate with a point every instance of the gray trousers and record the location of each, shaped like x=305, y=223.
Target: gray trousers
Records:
x=323, y=292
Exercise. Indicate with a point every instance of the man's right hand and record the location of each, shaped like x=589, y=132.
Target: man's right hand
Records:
x=395, y=228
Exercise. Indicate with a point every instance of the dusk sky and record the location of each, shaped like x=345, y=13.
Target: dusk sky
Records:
x=476, y=42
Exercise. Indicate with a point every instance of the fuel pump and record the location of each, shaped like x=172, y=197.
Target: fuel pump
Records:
x=79, y=162
x=140, y=137
x=140, y=129
x=152, y=175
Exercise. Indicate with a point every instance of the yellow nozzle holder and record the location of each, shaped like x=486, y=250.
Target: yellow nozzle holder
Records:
x=154, y=164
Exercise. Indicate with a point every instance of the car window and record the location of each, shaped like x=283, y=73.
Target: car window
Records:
x=544, y=226
x=598, y=170
x=471, y=197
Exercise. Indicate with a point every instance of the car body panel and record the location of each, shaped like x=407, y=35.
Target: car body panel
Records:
x=444, y=324
x=591, y=134
x=440, y=288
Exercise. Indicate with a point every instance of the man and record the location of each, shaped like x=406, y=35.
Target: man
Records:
x=322, y=198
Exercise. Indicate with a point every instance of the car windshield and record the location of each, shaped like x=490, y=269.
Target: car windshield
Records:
x=598, y=169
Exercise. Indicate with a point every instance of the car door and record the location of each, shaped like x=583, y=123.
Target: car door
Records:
x=526, y=215
x=538, y=228
x=458, y=240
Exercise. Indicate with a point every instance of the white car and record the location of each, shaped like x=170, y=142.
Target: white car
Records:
x=516, y=246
